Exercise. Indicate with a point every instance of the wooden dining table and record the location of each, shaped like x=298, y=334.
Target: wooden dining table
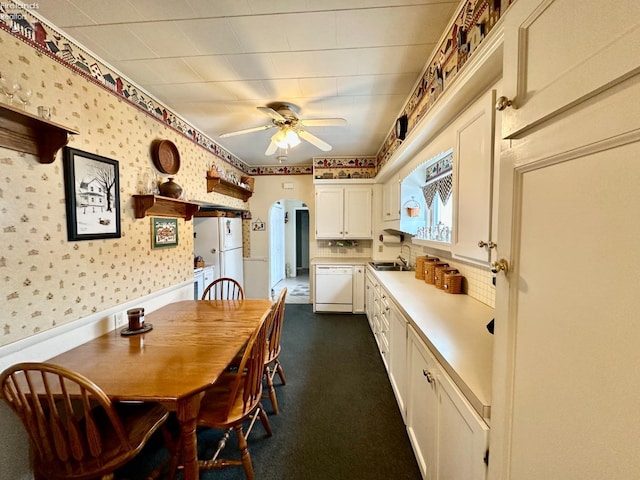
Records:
x=191, y=344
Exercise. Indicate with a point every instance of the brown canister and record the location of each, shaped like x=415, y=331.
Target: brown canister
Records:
x=430, y=270
x=438, y=279
x=420, y=267
x=427, y=261
x=136, y=319
x=453, y=282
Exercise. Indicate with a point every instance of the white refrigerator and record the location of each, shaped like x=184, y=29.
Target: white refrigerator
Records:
x=218, y=240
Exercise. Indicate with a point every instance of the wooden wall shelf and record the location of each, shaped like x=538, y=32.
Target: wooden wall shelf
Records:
x=159, y=206
x=220, y=185
x=24, y=132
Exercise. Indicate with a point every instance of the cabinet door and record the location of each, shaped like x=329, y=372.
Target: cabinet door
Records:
x=599, y=47
x=474, y=173
x=560, y=336
x=357, y=212
x=391, y=201
x=329, y=212
x=398, y=356
x=462, y=435
x=368, y=303
x=422, y=404
x=358, y=289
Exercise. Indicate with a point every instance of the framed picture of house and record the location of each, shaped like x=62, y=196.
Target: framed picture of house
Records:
x=164, y=232
x=92, y=192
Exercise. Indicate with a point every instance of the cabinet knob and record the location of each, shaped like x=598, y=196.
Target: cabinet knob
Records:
x=504, y=102
x=427, y=375
x=500, y=266
x=489, y=244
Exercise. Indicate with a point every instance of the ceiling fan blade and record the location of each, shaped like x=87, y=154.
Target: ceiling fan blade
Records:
x=272, y=113
x=315, y=141
x=324, y=122
x=248, y=130
x=271, y=149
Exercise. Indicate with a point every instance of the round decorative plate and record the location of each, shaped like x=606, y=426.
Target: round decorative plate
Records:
x=166, y=157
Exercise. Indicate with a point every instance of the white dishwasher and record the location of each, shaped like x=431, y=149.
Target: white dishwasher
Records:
x=333, y=288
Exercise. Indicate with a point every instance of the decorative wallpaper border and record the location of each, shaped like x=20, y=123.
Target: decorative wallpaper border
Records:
x=473, y=23
x=344, y=167
x=48, y=40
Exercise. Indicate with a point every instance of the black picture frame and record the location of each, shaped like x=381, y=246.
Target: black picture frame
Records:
x=92, y=193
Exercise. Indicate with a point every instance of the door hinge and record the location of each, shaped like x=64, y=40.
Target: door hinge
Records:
x=486, y=458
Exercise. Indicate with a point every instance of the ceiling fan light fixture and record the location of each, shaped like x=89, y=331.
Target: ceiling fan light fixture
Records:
x=286, y=138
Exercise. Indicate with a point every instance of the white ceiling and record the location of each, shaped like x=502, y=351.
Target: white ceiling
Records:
x=214, y=61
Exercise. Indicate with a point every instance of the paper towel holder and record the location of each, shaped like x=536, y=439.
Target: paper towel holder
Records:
x=401, y=235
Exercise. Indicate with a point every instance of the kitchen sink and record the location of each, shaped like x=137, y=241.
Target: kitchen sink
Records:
x=389, y=267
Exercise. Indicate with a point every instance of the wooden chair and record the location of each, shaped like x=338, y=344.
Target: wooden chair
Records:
x=272, y=354
x=223, y=288
x=235, y=399
x=76, y=432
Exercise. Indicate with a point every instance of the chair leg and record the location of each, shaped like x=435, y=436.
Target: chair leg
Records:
x=244, y=452
x=265, y=421
x=280, y=373
x=272, y=390
x=174, y=446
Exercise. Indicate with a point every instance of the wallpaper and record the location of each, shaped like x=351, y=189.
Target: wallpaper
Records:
x=45, y=280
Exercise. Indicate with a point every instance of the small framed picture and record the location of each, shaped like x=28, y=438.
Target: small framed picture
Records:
x=164, y=232
x=257, y=226
x=92, y=193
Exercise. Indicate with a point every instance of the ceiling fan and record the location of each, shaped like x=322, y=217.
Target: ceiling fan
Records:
x=291, y=128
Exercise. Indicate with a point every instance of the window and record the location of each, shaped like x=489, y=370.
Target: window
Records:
x=431, y=186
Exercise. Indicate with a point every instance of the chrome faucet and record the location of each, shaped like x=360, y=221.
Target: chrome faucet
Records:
x=405, y=262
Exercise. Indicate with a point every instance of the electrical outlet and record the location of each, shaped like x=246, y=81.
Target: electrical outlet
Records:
x=380, y=248
x=120, y=319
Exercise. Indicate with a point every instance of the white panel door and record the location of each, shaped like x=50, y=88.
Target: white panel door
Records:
x=276, y=244
x=574, y=334
x=558, y=53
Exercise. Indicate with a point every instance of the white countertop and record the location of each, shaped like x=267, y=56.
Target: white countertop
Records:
x=454, y=329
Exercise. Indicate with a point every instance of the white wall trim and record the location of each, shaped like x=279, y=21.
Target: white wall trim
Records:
x=57, y=340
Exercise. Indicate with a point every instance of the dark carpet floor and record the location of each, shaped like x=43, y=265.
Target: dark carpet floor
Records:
x=338, y=416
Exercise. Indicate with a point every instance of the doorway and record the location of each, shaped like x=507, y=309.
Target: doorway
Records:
x=289, y=249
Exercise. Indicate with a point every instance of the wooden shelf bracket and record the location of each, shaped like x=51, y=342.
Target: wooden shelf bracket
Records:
x=27, y=133
x=159, y=206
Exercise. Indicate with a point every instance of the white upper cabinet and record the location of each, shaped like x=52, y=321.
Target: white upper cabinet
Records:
x=542, y=79
x=357, y=212
x=343, y=212
x=329, y=212
x=391, y=200
x=473, y=170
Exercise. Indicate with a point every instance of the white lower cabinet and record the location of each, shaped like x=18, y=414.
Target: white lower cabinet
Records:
x=422, y=404
x=369, y=298
x=378, y=306
x=449, y=438
x=398, y=357
x=359, y=291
